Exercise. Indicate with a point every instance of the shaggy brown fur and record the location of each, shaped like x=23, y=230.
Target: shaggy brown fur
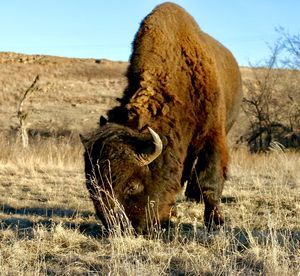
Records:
x=187, y=87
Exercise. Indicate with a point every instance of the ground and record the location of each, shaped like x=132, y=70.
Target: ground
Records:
x=47, y=221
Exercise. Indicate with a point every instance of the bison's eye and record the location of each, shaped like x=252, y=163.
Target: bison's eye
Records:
x=134, y=188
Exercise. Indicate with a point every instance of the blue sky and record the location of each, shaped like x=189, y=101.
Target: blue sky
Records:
x=105, y=28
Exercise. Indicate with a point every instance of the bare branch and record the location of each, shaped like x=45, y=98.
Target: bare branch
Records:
x=23, y=115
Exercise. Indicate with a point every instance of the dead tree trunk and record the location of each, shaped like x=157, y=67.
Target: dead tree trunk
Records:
x=22, y=115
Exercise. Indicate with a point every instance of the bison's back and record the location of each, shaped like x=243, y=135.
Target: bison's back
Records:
x=175, y=67
x=173, y=55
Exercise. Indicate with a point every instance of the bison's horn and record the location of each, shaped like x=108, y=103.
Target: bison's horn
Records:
x=146, y=159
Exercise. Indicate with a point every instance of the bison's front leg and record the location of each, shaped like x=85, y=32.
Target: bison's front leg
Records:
x=208, y=178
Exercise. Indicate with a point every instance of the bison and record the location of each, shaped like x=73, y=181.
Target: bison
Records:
x=183, y=95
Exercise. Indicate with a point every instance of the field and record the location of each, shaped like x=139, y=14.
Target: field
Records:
x=47, y=220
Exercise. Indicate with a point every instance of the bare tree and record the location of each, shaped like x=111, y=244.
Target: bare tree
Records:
x=22, y=115
x=290, y=46
x=270, y=106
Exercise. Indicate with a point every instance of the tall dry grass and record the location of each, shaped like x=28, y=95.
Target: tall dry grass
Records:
x=48, y=227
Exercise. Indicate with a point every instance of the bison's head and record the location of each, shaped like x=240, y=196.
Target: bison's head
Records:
x=120, y=165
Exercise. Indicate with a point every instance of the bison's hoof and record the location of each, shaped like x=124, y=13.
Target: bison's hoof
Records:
x=213, y=219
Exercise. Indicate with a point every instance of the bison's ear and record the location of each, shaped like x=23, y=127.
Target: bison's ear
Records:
x=102, y=121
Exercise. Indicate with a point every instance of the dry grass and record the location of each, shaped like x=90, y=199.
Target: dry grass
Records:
x=48, y=227
x=47, y=223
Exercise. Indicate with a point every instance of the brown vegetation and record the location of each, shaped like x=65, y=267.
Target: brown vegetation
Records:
x=47, y=220
x=272, y=105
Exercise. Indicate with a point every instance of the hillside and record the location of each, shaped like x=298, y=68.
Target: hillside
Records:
x=72, y=92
